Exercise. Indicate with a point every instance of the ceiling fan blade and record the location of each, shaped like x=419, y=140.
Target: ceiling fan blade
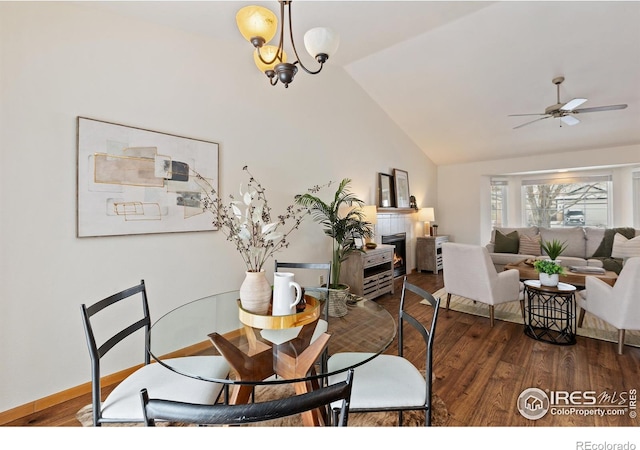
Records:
x=573, y=104
x=515, y=115
x=527, y=123
x=599, y=108
x=569, y=120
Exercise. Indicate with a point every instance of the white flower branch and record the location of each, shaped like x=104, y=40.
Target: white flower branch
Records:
x=247, y=221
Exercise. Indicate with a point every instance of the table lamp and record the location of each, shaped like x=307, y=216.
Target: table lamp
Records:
x=427, y=216
x=370, y=213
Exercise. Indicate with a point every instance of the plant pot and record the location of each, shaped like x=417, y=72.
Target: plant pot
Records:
x=255, y=293
x=338, y=301
x=549, y=280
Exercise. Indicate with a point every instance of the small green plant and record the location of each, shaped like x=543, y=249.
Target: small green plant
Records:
x=554, y=248
x=549, y=267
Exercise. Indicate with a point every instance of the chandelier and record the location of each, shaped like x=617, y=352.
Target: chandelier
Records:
x=259, y=25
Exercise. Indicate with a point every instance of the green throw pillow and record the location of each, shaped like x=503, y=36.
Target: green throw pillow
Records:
x=506, y=243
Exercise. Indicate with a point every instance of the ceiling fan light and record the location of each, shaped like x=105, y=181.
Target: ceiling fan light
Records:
x=573, y=104
x=569, y=120
x=321, y=40
x=268, y=53
x=257, y=21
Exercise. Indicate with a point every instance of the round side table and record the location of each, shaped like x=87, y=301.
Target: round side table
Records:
x=550, y=312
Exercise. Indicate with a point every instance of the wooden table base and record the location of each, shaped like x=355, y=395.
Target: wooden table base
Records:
x=290, y=360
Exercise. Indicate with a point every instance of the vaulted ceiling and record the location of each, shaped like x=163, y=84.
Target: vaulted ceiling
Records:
x=450, y=73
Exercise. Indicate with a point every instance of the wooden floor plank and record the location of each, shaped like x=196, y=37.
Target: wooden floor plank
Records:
x=481, y=371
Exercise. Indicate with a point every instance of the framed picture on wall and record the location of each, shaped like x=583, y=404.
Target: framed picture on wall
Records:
x=386, y=198
x=136, y=181
x=401, y=183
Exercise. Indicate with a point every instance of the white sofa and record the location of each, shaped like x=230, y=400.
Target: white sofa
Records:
x=582, y=243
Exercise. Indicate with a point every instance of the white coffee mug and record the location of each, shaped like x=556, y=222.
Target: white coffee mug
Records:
x=286, y=294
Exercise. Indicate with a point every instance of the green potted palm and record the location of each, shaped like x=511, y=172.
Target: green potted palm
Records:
x=553, y=248
x=343, y=221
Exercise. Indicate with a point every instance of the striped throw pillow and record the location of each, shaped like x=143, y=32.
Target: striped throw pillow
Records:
x=530, y=245
x=625, y=248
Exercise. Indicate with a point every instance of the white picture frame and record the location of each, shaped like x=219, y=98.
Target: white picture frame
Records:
x=401, y=185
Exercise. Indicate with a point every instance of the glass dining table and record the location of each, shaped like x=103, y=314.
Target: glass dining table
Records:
x=270, y=349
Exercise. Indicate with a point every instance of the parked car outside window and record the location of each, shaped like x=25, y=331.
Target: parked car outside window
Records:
x=574, y=218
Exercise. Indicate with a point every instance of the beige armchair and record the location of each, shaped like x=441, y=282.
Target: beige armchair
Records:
x=618, y=305
x=469, y=272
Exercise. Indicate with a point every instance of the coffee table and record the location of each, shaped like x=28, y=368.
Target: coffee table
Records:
x=527, y=272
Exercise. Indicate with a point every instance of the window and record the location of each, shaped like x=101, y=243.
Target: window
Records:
x=498, y=202
x=567, y=202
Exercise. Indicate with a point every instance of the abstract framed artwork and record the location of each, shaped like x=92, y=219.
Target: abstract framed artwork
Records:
x=136, y=181
x=386, y=197
x=401, y=184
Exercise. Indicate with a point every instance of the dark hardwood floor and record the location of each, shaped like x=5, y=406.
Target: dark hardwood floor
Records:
x=481, y=371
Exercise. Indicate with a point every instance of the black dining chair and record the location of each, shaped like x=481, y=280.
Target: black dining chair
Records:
x=155, y=409
x=122, y=405
x=392, y=382
x=325, y=270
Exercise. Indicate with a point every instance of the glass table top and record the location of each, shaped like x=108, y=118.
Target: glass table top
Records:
x=367, y=328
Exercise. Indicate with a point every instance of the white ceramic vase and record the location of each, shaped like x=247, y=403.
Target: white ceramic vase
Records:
x=549, y=280
x=255, y=293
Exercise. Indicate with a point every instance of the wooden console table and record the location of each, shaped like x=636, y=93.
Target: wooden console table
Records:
x=369, y=273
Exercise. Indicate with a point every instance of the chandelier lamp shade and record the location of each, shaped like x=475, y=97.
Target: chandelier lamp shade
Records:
x=259, y=26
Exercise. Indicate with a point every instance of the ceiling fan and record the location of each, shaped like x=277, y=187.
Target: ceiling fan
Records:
x=566, y=111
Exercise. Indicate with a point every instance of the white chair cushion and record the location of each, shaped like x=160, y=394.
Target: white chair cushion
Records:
x=385, y=381
x=278, y=337
x=124, y=401
x=321, y=328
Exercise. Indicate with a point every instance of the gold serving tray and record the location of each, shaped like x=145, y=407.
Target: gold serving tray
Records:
x=269, y=322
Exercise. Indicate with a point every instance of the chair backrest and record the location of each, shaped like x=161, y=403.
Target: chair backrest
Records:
x=468, y=271
x=98, y=350
x=625, y=290
x=427, y=334
x=324, y=267
x=220, y=414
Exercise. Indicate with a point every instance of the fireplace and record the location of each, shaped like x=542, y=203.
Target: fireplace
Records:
x=398, y=240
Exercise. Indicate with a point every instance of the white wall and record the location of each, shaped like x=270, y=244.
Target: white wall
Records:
x=464, y=209
x=60, y=61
